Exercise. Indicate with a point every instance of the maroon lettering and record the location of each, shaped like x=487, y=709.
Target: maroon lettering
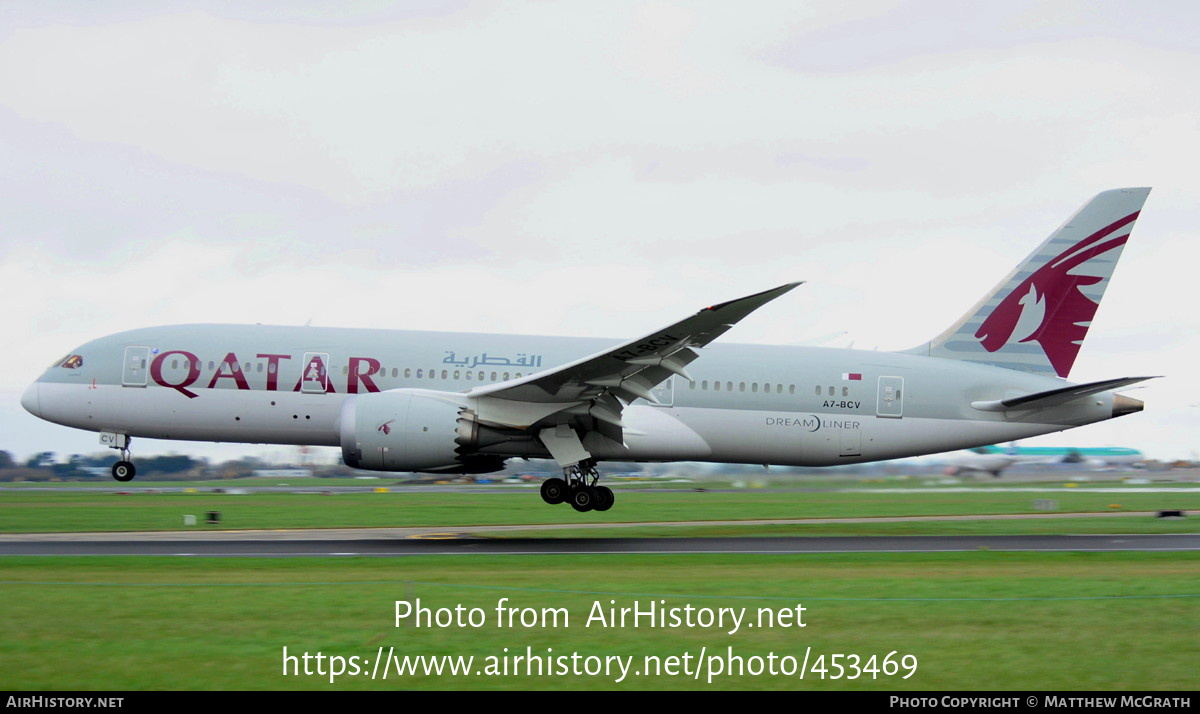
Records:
x=193, y=363
x=235, y=372
x=273, y=370
x=313, y=375
x=365, y=377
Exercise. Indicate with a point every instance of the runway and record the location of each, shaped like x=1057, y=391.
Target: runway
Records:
x=450, y=544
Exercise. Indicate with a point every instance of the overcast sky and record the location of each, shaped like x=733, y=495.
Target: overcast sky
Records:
x=588, y=168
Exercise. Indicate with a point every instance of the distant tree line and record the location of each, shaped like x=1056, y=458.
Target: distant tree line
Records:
x=45, y=466
x=49, y=466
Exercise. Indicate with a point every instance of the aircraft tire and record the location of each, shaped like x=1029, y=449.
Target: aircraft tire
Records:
x=123, y=471
x=604, y=498
x=554, y=490
x=583, y=499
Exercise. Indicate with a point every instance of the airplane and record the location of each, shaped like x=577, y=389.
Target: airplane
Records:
x=995, y=459
x=443, y=402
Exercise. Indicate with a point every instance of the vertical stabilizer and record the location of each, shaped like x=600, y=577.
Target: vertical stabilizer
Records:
x=1036, y=318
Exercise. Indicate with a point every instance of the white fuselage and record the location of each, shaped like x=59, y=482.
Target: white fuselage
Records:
x=746, y=403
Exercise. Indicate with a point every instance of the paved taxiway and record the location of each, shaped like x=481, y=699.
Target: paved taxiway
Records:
x=452, y=544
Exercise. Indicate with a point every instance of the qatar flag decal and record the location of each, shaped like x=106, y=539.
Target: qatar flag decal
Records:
x=851, y=376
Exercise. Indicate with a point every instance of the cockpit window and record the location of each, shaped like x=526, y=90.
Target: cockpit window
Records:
x=72, y=362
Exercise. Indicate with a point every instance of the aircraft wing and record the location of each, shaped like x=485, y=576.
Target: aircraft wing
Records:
x=631, y=369
x=592, y=385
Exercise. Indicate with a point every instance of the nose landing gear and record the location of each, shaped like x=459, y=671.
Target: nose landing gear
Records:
x=579, y=488
x=123, y=470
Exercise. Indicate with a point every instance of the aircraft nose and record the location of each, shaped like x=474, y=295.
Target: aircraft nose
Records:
x=31, y=401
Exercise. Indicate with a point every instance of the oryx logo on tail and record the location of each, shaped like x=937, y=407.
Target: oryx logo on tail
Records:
x=1050, y=307
x=1035, y=319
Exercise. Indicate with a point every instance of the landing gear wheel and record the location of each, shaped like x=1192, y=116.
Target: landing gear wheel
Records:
x=123, y=471
x=554, y=490
x=604, y=498
x=583, y=499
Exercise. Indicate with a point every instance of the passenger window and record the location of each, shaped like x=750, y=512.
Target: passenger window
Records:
x=493, y=376
x=420, y=373
x=753, y=387
x=791, y=389
x=444, y=374
x=456, y=372
x=468, y=376
x=259, y=369
x=716, y=386
x=767, y=387
x=818, y=390
x=741, y=386
x=505, y=376
x=271, y=368
x=845, y=391
x=704, y=386
x=408, y=372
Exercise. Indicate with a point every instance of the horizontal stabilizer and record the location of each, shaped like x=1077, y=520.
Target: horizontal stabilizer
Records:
x=1054, y=397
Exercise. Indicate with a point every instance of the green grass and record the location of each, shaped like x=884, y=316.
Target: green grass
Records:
x=1130, y=525
x=981, y=620
x=56, y=511
x=975, y=621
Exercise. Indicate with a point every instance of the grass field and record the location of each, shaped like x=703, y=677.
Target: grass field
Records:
x=973, y=621
x=1133, y=525
x=42, y=511
x=970, y=621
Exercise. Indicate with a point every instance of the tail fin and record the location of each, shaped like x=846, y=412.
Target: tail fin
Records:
x=1036, y=318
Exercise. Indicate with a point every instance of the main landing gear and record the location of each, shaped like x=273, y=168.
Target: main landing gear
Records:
x=123, y=470
x=578, y=487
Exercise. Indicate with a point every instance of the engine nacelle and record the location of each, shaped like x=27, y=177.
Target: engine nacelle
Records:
x=403, y=430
